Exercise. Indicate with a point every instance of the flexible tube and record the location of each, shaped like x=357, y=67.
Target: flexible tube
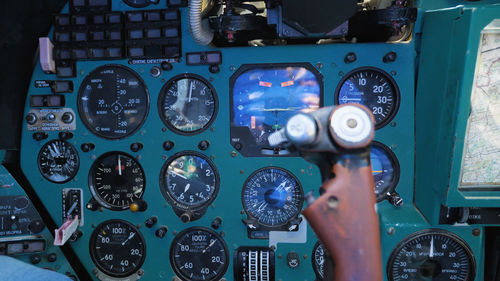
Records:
x=199, y=29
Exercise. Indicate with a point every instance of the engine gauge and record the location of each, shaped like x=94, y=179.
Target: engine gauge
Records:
x=432, y=254
x=58, y=161
x=199, y=254
x=117, y=248
x=372, y=88
x=113, y=102
x=318, y=260
x=263, y=97
x=189, y=180
x=187, y=104
x=385, y=169
x=273, y=197
x=116, y=180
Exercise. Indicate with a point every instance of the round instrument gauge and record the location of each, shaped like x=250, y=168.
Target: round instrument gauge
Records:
x=116, y=180
x=273, y=196
x=187, y=104
x=117, y=248
x=372, y=88
x=58, y=161
x=385, y=169
x=319, y=260
x=113, y=102
x=189, y=180
x=432, y=254
x=199, y=254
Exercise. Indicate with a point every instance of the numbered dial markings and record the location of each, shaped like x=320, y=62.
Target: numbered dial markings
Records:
x=187, y=104
x=273, y=196
x=113, y=102
x=116, y=180
x=318, y=260
x=199, y=253
x=117, y=248
x=436, y=255
x=372, y=88
x=189, y=180
x=58, y=161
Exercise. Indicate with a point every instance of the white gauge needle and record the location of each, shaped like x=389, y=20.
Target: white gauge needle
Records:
x=177, y=174
x=210, y=245
x=187, y=187
x=132, y=234
x=190, y=91
x=431, y=252
x=281, y=186
x=119, y=165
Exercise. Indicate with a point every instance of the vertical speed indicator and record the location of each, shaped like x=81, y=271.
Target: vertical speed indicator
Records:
x=372, y=88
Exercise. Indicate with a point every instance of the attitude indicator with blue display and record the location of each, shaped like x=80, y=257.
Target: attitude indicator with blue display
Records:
x=264, y=97
x=385, y=170
x=272, y=198
x=372, y=88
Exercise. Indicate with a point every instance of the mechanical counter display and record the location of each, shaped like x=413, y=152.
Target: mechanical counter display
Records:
x=113, y=102
x=264, y=96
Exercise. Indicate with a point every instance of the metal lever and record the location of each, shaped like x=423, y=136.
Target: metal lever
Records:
x=337, y=140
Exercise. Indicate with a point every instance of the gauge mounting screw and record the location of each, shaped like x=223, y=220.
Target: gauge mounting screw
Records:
x=390, y=57
x=86, y=147
x=168, y=145
x=214, y=68
x=350, y=58
x=203, y=145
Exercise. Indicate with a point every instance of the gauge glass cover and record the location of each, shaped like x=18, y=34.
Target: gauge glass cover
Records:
x=116, y=180
x=372, y=88
x=385, y=169
x=273, y=196
x=436, y=255
x=113, y=102
x=189, y=180
x=58, y=161
x=117, y=248
x=199, y=254
x=187, y=104
x=264, y=97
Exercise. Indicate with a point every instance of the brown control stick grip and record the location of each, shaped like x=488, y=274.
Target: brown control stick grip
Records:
x=345, y=220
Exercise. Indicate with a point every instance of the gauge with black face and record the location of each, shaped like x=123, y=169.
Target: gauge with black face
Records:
x=199, y=254
x=187, y=104
x=372, y=88
x=432, y=254
x=189, y=180
x=263, y=98
x=113, y=102
x=318, y=260
x=273, y=196
x=117, y=248
x=385, y=169
x=116, y=180
x=58, y=161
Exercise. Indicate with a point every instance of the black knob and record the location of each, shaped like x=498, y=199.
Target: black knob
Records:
x=395, y=199
x=31, y=118
x=292, y=260
x=168, y=145
x=185, y=217
x=216, y=223
x=151, y=221
x=203, y=145
x=92, y=205
x=166, y=66
x=52, y=257
x=65, y=135
x=40, y=136
x=36, y=226
x=67, y=117
x=35, y=259
x=86, y=147
x=214, y=68
x=161, y=232
x=136, y=146
x=350, y=58
x=389, y=57
x=76, y=235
